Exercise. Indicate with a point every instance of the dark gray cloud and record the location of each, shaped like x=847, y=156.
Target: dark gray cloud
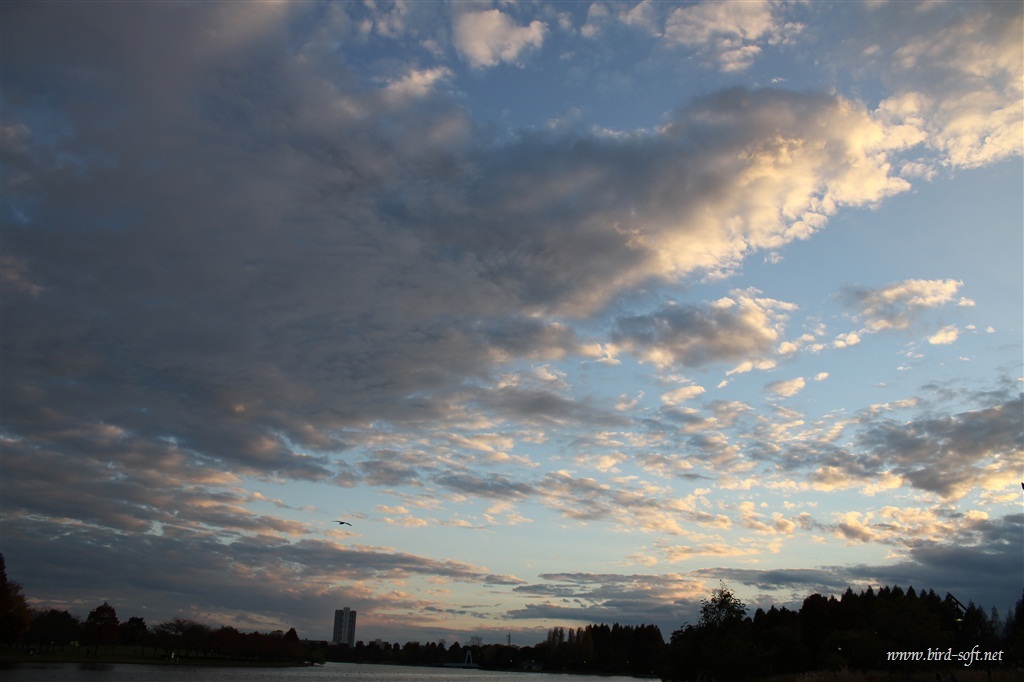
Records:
x=695, y=335
x=389, y=468
x=542, y=406
x=490, y=486
x=667, y=616
x=803, y=581
x=194, y=572
x=267, y=253
x=664, y=600
x=950, y=455
x=947, y=454
x=984, y=568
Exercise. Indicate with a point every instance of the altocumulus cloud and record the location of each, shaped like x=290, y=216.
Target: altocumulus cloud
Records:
x=489, y=37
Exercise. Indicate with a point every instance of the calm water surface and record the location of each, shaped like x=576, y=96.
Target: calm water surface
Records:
x=343, y=672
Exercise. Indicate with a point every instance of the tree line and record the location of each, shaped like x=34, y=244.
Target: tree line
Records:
x=856, y=632
x=57, y=632
x=873, y=630
x=603, y=649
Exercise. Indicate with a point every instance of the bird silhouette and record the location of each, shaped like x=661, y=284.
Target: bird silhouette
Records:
x=344, y=523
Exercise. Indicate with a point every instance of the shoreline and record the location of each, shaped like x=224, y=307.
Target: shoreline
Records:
x=9, y=659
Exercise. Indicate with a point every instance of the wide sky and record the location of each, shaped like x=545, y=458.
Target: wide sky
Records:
x=573, y=310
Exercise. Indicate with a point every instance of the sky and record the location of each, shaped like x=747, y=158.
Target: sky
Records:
x=576, y=311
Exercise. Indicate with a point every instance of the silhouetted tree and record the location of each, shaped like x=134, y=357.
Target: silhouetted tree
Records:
x=719, y=646
x=556, y=650
x=722, y=610
x=100, y=627
x=133, y=632
x=316, y=651
x=51, y=627
x=183, y=635
x=228, y=642
x=976, y=628
x=1013, y=634
x=14, y=614
x=816, y=624
x=777, y=633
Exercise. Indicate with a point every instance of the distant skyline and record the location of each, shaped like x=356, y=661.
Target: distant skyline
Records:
x=573, y=309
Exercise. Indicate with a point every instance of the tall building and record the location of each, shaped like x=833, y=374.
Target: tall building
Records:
x=344, y=627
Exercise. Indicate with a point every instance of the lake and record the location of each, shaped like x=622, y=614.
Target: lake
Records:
x=343, y=672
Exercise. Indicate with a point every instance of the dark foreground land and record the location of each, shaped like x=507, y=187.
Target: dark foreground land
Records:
x=13, y=657
x=1005, y=674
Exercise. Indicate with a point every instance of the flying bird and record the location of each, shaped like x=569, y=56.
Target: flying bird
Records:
x=344, y=523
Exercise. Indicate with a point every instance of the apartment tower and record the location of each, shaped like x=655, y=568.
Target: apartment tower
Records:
x=344, y=627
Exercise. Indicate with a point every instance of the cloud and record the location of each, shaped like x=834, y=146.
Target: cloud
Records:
x=680, y=553
x=401, y=516
x=730, y=329
x=945, y=336
x=489, y=228
x=959, y=87
x=597, y=15
x=853, y=528
x=681, y=394
x=729, y=31
x=990, y=548
x=846, y=340
x=786, y=388
x=392, y=20
x=15, y=276
x=803, y=581
x=491, y=486
x=777, y=524
x=983, y=566
x=283, y=577
x=631, y=504
x=667, y=466
x=388, y=468
x=644, y=15
x=556, y=233
x=416, y=83
x=898, y=305
x=951, y=455
x=490, y=37
x=601, y=597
